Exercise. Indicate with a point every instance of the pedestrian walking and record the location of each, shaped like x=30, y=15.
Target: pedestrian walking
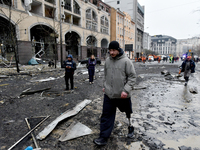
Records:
x=188, y=67
x=120, y=76
x=70, y=67
x=91, y=68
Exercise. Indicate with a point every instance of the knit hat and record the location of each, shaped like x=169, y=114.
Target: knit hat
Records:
x=114, y=45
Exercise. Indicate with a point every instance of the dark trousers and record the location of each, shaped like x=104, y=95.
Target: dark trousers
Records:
x=186, y=79
x=69, y=75
x=109, y=111
x=91, y=75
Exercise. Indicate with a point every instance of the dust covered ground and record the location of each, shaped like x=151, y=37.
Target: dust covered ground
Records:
x=155, y=113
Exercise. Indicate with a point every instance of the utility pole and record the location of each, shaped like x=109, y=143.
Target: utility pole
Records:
x=61, y=52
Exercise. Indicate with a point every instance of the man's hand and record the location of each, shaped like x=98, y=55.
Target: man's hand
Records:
x=103, y=89
x=68, y=67
x=124, y=95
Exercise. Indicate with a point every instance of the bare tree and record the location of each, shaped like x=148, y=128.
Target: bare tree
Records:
x=9, y=34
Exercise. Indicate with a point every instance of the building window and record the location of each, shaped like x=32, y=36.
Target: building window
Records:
x=104, y=25
x=91, y=20
x=118, y=2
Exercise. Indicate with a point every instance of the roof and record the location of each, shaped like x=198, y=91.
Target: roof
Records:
x=162, y=37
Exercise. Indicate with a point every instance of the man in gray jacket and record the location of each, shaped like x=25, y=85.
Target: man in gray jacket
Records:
x=120, y=76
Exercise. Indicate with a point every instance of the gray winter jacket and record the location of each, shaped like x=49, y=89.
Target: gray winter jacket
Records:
x=120, y=76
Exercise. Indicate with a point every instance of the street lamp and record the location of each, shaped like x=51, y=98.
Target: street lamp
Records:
x=61, y=52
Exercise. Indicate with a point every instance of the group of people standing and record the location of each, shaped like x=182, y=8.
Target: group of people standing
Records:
x=70, y=67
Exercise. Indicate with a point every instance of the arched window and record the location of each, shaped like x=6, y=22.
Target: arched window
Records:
x=104, y=25
x=91, y=41
x=91, y=20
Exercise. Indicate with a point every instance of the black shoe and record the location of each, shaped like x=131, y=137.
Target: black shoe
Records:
x=185, y=83
x=130, y=132
x=100, y=141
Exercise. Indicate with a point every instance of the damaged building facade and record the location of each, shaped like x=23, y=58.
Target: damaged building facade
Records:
x=39, y=26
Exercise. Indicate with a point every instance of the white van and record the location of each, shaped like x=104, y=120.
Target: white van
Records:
x=150, y=58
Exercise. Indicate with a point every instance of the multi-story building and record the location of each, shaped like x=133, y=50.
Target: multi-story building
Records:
x=146, y=41
x=40, y=26
x=184, y=45
x=164, y=45
x=139, y=30
x=122, y=29
x=136, y=11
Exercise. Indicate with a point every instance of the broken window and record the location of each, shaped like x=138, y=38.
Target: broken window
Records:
x=76, y=20
x=76, y=8
x=7, y=40
x=95, y=2
x=91, y=22
x=67, y=18
x=49, y=12
x=68, y=5
x=44, y=41
x=72, y=40
x=6, y=2
x=91, y=41
x=104, y=25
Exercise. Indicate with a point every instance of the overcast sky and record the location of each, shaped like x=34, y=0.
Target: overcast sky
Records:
x=177, y=18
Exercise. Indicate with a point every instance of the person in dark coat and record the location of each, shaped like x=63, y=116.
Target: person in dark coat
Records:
x=91, y=68
x=188, y=67
x=51, y=63
x=70, y=67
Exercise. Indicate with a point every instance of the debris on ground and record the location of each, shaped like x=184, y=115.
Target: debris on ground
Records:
x=193, y=90
x=75, y=130
x=27, y=92
x=47, y=130
x=28, y=133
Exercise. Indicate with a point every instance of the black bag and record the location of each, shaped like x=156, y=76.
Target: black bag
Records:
x=87, y=65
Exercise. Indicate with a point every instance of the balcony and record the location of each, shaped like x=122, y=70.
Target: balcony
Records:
x=76, y=20
x=67, y=18
x=36, y=8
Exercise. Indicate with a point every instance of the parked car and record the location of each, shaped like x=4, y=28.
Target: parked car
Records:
x=85, y=61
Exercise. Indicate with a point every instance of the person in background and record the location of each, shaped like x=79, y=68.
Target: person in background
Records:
x=120, y=76
x=70, y=67
x=91, y=68
x=51, y=63
x=188, y=67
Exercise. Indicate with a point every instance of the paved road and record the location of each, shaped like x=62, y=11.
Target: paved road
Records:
x=167, y=112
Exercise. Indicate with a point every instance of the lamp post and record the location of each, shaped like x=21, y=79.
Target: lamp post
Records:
x=61, y=52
